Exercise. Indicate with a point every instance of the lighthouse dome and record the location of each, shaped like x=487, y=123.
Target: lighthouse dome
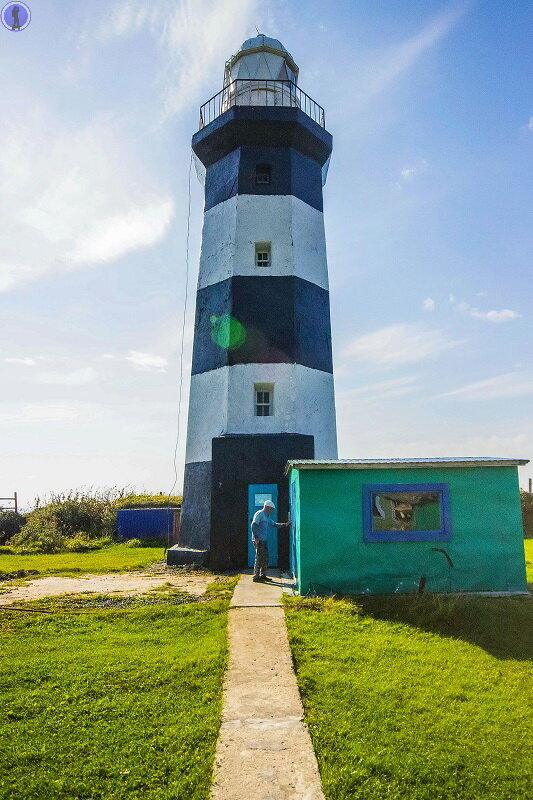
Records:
x=261, y=58
x=261, y=41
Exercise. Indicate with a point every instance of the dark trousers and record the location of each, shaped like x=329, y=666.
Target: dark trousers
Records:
x=261, y=558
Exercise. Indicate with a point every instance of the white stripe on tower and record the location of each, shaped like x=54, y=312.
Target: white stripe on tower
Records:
x=294, y=228
x=299, y=399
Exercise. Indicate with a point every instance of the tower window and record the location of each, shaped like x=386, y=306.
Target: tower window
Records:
x=263, y=254
x=262, y=174
x=264, y=395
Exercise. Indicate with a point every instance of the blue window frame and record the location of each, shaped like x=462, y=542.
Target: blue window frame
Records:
x=406, y=512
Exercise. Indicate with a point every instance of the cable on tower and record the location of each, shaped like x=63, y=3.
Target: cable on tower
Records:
x=182, y=344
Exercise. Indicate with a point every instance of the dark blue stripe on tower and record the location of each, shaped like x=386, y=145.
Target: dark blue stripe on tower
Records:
x=284, y=319
x=291, y=173
x=196, y=509
x=262, y=126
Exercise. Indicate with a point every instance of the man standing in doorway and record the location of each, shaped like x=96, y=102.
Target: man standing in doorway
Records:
x=260, y=526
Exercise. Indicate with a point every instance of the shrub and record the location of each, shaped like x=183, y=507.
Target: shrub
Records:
x=527, y=513
x=10, y=524
x=82, y=519
x=134, y=543
x=80, y=543
x=40, y=534
x=148, y=501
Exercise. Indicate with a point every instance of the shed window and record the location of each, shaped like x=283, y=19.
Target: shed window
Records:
x=406, y=512
x=264, y=395
x=262, y=174
x=263, y=254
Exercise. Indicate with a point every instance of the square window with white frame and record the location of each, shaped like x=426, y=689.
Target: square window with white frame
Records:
x=263, y=399
x=263, y=254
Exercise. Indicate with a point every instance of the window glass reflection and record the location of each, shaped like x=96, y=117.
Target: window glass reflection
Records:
x=406, y=511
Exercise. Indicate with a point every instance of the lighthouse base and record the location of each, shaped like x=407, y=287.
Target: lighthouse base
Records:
x=238, y=461
x=215, y=514
x=180, y=556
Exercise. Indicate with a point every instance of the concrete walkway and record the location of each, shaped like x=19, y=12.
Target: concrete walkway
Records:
x=264, y=751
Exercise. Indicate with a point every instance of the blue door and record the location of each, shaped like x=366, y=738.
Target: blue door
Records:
x=257, y=494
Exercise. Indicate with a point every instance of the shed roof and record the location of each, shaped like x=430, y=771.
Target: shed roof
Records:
x=391, y=463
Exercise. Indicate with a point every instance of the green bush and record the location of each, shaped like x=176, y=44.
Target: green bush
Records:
x=10, y=524
x=527, y=513
x=40, y=534
x=79, y=520
x=148, y=501
x=80, y=543
x=134, y=543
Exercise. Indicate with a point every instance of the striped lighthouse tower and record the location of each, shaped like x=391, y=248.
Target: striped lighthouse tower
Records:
x=262, y=377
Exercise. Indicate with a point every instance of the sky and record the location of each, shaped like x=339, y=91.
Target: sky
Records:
x=427, y=209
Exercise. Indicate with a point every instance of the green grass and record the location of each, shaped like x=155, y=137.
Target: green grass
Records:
x=148, y=501
x=528, y=544
x=413, y=698
x=111, y=705
x=115, y=558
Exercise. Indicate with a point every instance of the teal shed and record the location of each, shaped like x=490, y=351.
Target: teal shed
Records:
x=381, y=526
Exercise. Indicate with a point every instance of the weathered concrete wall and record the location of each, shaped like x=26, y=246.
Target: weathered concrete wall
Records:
x=222, y=401
x=295, y=229
x=196, y=509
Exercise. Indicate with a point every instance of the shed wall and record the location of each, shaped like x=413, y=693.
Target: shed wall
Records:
x=486, y=545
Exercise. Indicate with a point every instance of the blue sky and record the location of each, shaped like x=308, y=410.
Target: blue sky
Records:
x=427, y=210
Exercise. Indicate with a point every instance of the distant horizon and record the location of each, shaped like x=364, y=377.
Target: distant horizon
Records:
x=426, y=211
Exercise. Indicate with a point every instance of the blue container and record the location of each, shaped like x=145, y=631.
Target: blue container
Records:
x=147, y=523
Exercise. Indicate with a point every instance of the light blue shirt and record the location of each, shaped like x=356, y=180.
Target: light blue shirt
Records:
x=261, y=524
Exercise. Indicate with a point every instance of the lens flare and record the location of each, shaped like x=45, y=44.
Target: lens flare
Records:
x=227, y=332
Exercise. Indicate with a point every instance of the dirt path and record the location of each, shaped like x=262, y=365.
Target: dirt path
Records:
x=120, y=583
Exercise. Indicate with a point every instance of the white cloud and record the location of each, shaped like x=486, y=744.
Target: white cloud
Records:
x=147, y=361
x=507, y=385
x=386, y=67
x=530, y=124
x=72, y=197
x=78, y=377
x=379, y=390
x=26, y=362
x=117, y=235
x=408, y=173
x=497, y=316
x=428, y=304
x=503, y=315
x=194, y=38
x=399, y=344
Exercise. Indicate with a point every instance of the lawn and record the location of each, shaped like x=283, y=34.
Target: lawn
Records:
x=110, y=705
x=115, y=558
x=418, y=698
x=528, y=544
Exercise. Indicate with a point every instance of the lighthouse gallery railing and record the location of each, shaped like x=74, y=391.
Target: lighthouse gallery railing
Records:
x=254, y=92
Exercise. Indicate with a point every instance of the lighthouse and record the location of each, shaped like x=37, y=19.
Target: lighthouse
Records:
x=261, y=389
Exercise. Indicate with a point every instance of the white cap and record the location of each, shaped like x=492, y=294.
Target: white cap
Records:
x=269, y=504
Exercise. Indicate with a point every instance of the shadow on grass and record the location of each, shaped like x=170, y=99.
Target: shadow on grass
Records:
x=501, y=626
